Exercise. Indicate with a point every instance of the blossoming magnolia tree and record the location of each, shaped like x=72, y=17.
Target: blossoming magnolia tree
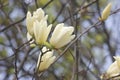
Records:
x=59, y=40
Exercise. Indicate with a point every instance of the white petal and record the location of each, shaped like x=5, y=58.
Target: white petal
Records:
x=56, y=31
x=113, y=70
x=50, y=61
x=42, y=66
x=47, y=31
x=47, y=55
x=65, y=32
x=29, y=23
x=61, y=36
x=55, y=35
x=39, y=31
x=64, y=41
x=38, y=14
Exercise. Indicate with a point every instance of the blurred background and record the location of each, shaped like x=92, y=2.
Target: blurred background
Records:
x=86, y=59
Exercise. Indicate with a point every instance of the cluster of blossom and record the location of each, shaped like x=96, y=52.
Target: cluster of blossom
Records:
x=39, y=32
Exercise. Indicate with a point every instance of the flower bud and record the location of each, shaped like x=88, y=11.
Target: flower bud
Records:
x=106, y=12
x=46, y=60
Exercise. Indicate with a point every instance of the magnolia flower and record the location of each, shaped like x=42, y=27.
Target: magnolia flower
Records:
x=30, y=19
x=106, y=12
x=41, y=31
x=114, y=69
x=61, y=36
x=46, y=60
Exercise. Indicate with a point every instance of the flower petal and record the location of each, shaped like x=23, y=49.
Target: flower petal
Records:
x=61, y=36
x=40, y=31
x=46, y=61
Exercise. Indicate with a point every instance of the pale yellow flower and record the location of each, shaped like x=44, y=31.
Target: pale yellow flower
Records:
x=31, y=18
x=106, y=12
x=46, y=60
x=41, y=31
x=61, y=35
x=114, y=68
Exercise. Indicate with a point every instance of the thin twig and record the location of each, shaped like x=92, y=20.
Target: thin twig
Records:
x=80, y=10
x=16, y=51
x=11, y=25
x=47, y=4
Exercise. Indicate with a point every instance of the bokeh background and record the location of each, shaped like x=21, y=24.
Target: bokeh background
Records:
x=86, y=59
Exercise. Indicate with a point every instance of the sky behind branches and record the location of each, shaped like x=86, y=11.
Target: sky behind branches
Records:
x=94, y=47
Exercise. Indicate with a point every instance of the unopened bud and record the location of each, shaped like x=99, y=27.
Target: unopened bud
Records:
x=106, y=12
